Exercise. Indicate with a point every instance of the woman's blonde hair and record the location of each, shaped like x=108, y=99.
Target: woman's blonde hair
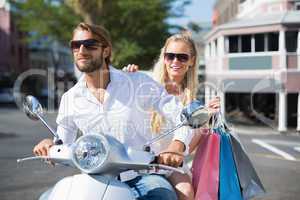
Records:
x=190, y=80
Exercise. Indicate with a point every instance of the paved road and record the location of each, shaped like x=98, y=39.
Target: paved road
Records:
x=276, y=158
x=277, y=163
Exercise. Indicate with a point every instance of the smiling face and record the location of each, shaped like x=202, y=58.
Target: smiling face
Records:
x=177, y=60
x=89, y=54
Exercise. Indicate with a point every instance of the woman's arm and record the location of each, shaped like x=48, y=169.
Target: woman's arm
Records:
x=214, y=107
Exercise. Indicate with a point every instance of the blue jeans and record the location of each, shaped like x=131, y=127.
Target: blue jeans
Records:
x=152, y=187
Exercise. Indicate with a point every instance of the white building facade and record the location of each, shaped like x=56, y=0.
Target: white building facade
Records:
x=258, y=52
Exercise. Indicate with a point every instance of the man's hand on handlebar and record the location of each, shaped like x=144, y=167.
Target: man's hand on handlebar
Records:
x=173, y=156
x=43, y=147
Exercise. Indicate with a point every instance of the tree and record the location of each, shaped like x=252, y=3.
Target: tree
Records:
x=137, y=27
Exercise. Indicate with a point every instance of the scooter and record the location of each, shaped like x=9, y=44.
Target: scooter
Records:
x=101, y=158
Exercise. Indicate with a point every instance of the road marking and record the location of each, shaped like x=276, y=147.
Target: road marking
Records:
x=274, y=149
x=282, y=143
x=269, y=156
x=297, y=149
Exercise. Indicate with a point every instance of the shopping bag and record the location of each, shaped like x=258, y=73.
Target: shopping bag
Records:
x=229, y=182
x=205, y=168
x=249, y=180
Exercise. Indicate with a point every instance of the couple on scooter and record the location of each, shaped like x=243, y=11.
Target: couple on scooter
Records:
x=132, y=106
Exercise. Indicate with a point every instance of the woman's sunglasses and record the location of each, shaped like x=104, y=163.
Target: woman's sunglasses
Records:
x=182, y=57
x=90, y=44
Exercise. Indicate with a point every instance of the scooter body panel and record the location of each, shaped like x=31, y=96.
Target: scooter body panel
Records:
x=118, y=190
x=84, y=186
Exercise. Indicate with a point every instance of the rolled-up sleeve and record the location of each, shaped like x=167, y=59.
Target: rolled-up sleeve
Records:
x=184, y=135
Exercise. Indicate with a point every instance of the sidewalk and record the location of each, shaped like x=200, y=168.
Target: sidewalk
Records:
x=260, y=130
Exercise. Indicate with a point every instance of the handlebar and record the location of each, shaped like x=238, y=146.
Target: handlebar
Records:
x=32, y=158
x=60, y=154
x=180, y=170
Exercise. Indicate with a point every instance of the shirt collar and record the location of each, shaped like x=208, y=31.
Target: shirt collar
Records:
x=116, y=78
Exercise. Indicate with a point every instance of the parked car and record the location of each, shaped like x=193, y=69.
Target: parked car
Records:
x=6, y=95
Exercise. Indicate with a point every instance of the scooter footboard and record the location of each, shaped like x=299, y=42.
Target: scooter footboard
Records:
x=84, y=186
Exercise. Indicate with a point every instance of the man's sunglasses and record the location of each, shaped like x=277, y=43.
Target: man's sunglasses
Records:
x=182, y=57
x=90, y=44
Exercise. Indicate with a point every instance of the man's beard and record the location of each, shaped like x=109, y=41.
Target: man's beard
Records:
x=91, y=66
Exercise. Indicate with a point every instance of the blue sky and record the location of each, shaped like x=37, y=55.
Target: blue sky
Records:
x=197, y=11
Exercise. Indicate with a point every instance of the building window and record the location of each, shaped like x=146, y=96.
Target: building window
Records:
x=233, y=44
x=262, y=42
x=273, y=41
x=291, y=40
x=259, y=42
x=246, y=43
x=216, y=47
x=12, y=50
x=20, y=56
x=297, y=6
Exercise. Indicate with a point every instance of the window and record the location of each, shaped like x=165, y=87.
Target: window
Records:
x=259, y=42
x=233, y=44
x=291, y=38
x=246, y=43
x=297, y=6
x=262, y=42
x=21, y=55
x=12, y=49
x=216, y=47
x=273, y=41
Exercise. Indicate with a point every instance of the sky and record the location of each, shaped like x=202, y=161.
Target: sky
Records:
x=197, y=11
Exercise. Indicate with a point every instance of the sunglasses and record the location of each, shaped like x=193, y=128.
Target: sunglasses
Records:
x=90, y=44
x=182, y=57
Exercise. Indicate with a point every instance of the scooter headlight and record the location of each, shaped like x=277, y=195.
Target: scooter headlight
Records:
x=90, y=152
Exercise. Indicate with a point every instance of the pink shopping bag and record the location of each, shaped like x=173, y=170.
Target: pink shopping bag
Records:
x=205, y=168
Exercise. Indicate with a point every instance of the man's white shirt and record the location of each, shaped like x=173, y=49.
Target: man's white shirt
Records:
x=124, y=114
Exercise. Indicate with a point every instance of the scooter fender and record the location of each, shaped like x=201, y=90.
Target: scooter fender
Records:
x=92, y=187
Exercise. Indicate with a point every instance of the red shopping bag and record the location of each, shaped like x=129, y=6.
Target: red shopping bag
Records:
x=205, y=168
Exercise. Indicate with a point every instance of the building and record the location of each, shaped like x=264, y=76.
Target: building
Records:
x=225, y=11
x=257, y=54
x=199, y=38
x=14, y=54
x=53, y=66
x=41, y=67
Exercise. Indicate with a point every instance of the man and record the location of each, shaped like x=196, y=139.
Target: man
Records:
x=109, y=101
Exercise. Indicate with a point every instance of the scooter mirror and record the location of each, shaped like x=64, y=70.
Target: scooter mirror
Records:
x=195, y=115
x=32, y=107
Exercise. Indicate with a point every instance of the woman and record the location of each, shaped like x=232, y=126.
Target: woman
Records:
x=176, y=70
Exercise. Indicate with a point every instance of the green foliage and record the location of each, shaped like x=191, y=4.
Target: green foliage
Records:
x=194, y=27
x=138, y=28
x=43, y=18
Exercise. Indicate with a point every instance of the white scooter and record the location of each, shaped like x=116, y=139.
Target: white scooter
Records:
x=101, y=158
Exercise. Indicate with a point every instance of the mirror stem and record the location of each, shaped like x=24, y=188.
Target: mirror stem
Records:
x=48, y=127
x=147, y=145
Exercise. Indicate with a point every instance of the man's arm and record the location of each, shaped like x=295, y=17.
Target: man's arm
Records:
x=66, y=130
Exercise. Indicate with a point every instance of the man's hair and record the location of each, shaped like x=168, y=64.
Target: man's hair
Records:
x=99, y=33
